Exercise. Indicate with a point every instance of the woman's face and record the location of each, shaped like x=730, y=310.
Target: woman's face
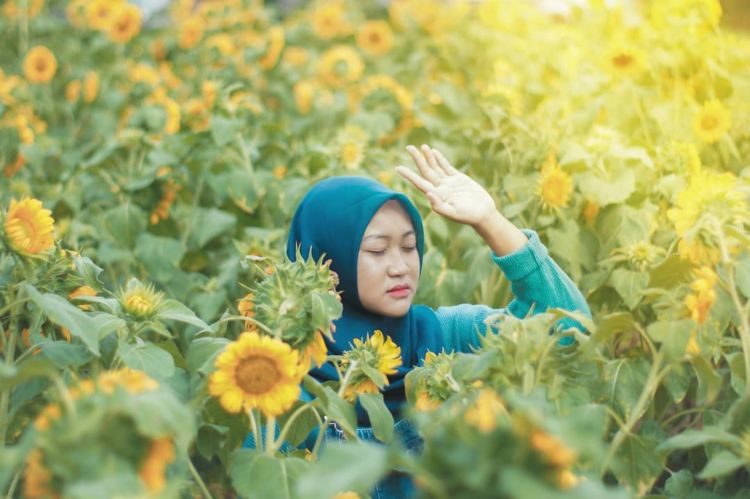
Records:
x=388, y=262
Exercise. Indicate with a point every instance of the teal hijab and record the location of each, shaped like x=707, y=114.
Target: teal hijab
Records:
x=331, y=220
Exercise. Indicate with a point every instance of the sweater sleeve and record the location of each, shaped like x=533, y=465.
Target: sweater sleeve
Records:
x=536, y=281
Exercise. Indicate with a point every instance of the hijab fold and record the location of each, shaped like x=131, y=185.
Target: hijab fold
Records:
x=331, y=220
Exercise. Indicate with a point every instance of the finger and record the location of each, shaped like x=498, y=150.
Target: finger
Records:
x=420, y=183
x=444, y=165
x=422, y=165
x=432, y=162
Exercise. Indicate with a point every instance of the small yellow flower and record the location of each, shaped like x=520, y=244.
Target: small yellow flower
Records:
x=141, y=300
x=566, y=479
x=39, y=65
x=625, y=60
x=712, y=121
x=590, y=211
x=375, y=37
x=296, y=56
x=555, y=185
x=160, y=453
x=257, y=372
x=351, y=154
x=483, y=413
x=273, y=50
x=246, y=308
x=46, y=416
x=90, y=86
x=29, y=227
x=37, y=476
x=126, y=23
x=209, y=90
x=552, y=449
x=304, y=93
x=700, y=301
x=15, y=8
x=424, y=403
x=346, y=495
x=73, y=91
x=191, y=32
x=328, y=20
x=85, y=290
x=388, y=354
x=280, y=171
x=131, y=380
x=101, y=13
x=340, y=65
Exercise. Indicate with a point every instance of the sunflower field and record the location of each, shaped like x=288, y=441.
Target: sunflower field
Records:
x=151, y=323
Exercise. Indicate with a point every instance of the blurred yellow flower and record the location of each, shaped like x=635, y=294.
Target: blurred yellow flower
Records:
x=222, y=42
x=712, y=121
x=73, y=91
x=328, y=20
x=566, y=479
x=15, y=166
x=7, y=85
x=484, y=411
x=304, y=92
x=340, y=65
x=15, y=8
x=388, y=354
x=101, y=13
x=316, y=351
x=29, y=228
x=143, y=73
x=257, y=372
x=704, y=14
x=90, y=86
x=700, y=301
x=352, y=140
x=39, y=65
x=624, y=60
x=273, y=49
x=296, y=56
x=209, y=90
x=126, y=23
x=590, y=211
x=375, y=37
x=197, y=115
x=346, y=495
x=424, y=403
x=246, y=308
x=37, y=476
x=131, y=380
x=280, y=171
x=85, y=290
x=552, y=449
x=153, y=468
x=75, y=10
x=191, y=32
x=555, y=185
x=359, y=387
x=46, y=416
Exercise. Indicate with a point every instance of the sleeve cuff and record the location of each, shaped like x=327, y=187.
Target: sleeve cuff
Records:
x=523, y=261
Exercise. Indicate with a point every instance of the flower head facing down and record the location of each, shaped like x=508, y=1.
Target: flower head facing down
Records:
x=39, y=65
x=377, y=355
x=29, y=227
x=257, y=372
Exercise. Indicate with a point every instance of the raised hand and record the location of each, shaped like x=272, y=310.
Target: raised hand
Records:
x=451, y=193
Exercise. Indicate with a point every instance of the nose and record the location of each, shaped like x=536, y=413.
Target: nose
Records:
x=397, y=265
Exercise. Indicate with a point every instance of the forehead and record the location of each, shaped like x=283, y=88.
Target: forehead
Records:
x=390, y=216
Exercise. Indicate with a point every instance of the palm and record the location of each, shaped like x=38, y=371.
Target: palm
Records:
x=451, y=193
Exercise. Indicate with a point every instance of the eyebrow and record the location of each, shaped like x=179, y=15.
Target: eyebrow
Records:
x=383, y=236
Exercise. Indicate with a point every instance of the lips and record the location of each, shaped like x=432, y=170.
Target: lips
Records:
x=399, y=287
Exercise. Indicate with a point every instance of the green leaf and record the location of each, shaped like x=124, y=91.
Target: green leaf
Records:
x=693, y=438
x=709, y=381
x=680, y=484
x=607, y=191
x=611, y=324
x=381, y=418
x=315, y=388
x=637, y=461
x=738, y=417
x=202, y=352
x=340, y=411
x=89, y=328
x=211, y=439
x=736, y=363
x=160, y=255
x=64, y=355
x=223, y=130
x=125, y=222
x=629, y=284
x=255, y=474
x=355, y=466
x=669, y=273
x=742, y=276
x=206, y=224
x=722, y=463
x=158, y=412
x=673, y=337
x=11, y=376
x=89, y=271
x=302, y=426
x=176, y=311
x=148, y=358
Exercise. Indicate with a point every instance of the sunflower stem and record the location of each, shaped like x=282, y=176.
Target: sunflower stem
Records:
x=199, y=480
x=254, y=428
x=14, y=484
x=347, y=377
x=270, y=433
x=321, y=433
x=10, y=350
x=290, y=421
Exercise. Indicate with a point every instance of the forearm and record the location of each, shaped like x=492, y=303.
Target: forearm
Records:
x=500, y=234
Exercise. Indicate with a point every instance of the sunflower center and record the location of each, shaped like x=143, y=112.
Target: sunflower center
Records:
x=257, y=375
x=709, y=122
x=27, y=227
x=623, y=60
x=374, y=37
x=41, y=64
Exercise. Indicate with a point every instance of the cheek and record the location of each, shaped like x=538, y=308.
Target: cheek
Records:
x=368, y=272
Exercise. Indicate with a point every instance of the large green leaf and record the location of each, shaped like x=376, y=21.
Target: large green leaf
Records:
x=206, y=224
x=693, y=438
x=158, y=412
x=607, y=191
x=355, y=466
x=202, y=353
x=339, y=410
x=176, y=311
x=673, y=337
x=160, y=255
x=255, y=474
x=381, y=418
x=722, y=463
x=125, y=222
x=629, y=284
x=147, y=357
x=64, y=354
x=742, y=276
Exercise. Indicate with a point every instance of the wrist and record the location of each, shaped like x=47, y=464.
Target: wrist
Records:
x=500, y=234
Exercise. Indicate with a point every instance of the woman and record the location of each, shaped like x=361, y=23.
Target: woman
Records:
x=374, y=237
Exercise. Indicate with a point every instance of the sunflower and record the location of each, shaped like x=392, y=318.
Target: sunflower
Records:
x=29, y=227
x=484, y=411
x=140, y=300
x=90, y=86
x=73, y=91
x=12, y=8
x=375, y=84
x=14, y=167
x=257, y=372
x=101, y=13
x=304, y=92
x=704, y=14
x=352, y=142
x=624, y=60
x=191, y=32
x=328, y=21
x=246, y=308
x=126, y=24
x=39, y=65
x=552, y=449
x=388, y=354
x=590, y=211
x=710, y=200
x=555, y=185
x=703, y=297
x=712, y=121
x=273, y=50
x=340, y=65
x=132, y=380
x=316, y=351
x=46, y=416
x=296, y=56
x=152, y=471
x=375, y=37
x=38, y=477
x=82, y=291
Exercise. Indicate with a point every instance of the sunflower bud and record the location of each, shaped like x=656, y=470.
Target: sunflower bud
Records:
x=141, y=300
